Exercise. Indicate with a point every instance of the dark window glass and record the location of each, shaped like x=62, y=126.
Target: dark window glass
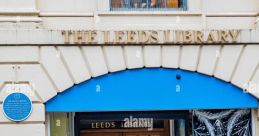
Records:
x=136, y=5
x=222, y=122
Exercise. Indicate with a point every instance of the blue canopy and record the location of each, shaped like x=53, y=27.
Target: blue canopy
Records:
x=151, y=89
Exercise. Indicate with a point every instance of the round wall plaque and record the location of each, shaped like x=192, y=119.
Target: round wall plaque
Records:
x=17, y=107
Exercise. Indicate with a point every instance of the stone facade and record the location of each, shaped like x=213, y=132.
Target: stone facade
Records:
x=30, y=34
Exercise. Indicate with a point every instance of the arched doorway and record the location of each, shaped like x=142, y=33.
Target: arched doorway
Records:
x=147, y=91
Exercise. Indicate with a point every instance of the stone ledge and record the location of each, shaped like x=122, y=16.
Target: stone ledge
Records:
x=27, y=12
x=232, y=14
x=20, y=19
x=64, y=14
x=149, y=13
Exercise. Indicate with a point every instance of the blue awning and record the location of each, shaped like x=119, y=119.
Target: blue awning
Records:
x=151, y=89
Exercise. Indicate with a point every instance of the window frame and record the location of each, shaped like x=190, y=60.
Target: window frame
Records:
x=183, y=8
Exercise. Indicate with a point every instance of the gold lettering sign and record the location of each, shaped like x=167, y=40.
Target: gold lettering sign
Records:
x=67, y=36
x=131, y=36
x=143, y=36
x=223, y=36
x=119, y=37
x=198, y=37
x=79, y=37
x=106, y=37
x=187, y=37
x=154, y=37
x=234, y=34
x=92, y=37
x=166, y=36
x=211, y=37
x=103, y=125
x=150, y=37
x=178, y=35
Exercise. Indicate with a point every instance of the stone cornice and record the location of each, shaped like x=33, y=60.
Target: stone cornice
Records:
x=19, y=12
x=55, y=37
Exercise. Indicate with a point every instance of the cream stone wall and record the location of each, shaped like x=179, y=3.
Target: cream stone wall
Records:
x=44, y=71
x=58, y=70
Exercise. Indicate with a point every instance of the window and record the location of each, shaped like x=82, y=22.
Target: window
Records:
x=146, y=5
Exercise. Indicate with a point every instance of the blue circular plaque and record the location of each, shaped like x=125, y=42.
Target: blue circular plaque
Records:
x=17, y=107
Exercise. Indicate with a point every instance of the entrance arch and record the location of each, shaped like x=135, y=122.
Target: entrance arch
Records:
x=151, y=89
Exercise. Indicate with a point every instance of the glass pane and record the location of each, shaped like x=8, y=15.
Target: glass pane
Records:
x=172, y=3
x=179, y=127
x=222, y=122
x=116, y=3
x=146, y=4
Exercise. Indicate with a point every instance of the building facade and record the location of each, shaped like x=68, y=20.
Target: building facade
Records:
x=129, y=67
